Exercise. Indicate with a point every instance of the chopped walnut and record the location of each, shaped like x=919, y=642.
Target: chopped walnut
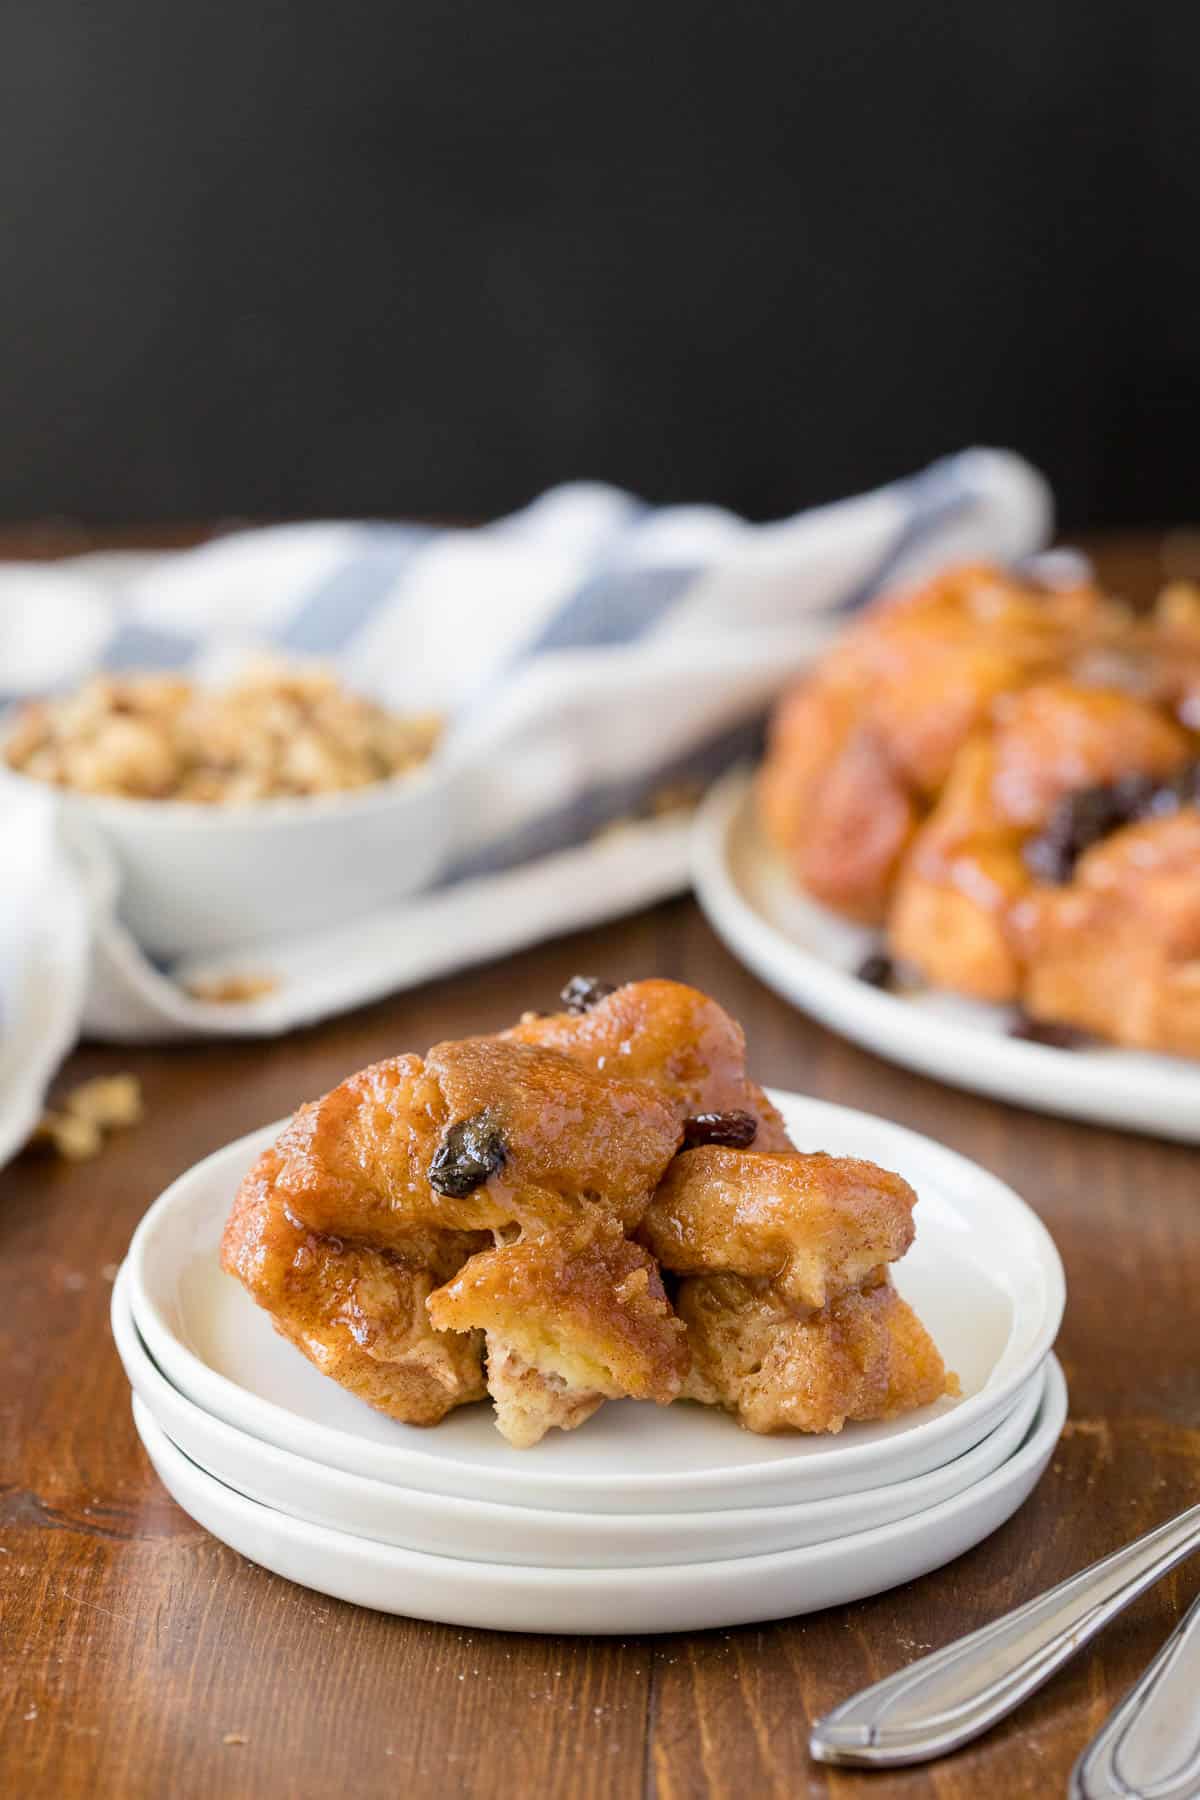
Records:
x=108, y=1101
x=69, y=1137
x=280, y=731
x=76, y=1126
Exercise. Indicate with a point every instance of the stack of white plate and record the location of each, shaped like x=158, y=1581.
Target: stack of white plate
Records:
x=646, y=1519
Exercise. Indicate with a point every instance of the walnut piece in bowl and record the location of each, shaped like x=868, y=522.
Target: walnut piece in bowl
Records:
x=281, y=731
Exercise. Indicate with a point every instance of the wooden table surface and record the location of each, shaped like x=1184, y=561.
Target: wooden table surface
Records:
x=139, y=1657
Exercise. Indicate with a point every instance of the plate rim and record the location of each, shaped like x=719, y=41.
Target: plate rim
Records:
x=1038, y=1444
x=494, y=1512
x=1081, y=1086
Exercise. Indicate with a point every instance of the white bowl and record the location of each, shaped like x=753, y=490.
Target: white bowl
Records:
x=478, y=1530
x=983, y=1274
x=195, y=879
x=675, y=1597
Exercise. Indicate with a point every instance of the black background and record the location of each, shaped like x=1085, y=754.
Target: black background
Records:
x=345, y=256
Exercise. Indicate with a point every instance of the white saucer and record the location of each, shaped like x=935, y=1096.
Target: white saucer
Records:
x=682, y=1597
x=477, y=1530
x=983, y=1275
x=809, y=955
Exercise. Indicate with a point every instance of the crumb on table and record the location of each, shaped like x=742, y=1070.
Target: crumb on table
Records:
x=75, y=1127
x=231, y=990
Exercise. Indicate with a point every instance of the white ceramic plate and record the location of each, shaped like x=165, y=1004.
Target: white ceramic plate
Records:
x=983, y=1275
x=477, y=1530
x=675, y=1597
x=809, y=955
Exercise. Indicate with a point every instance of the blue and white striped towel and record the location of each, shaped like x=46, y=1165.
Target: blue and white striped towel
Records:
x=539, y=635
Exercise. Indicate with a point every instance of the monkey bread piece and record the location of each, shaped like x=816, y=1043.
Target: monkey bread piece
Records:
x=832, y=801
x=931, y=660
x=669, y=1036
x=811, y=1224
x=1117, y=950
x=481, y=1135
x=859, y=748
x=376, y=1194
x=438, y=1228
x=569, y=1323
x=969, y=871
x=863, y=1356
x=949, y=916
x=357, y=1312
x=1056, y=737
x=582, y=1136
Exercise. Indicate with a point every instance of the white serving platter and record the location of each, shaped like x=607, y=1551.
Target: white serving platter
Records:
x=809, y=955
x=675, y=1597
x=983, y=1275
x=478, y=1530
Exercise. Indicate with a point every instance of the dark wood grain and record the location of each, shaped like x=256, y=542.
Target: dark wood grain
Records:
x=138, y=1657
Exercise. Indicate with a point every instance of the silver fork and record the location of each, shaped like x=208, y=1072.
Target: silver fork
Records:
x=1150, y=1745
x=946, y=1699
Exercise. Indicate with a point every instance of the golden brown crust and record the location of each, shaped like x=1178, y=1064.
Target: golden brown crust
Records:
x=670, y=1036
x=355, y=1311
x=356, y=1163
x=985, y=704
x=865, y=1355
x=1117, y=951
x=338, y=1229
x=812, y=1224
x=1057, y=737
x=571, y=1132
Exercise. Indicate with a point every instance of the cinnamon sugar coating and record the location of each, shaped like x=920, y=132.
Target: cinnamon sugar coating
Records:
x=671, y=1036
x=357, y=1310
x=865, y=1355
x=811, y=1224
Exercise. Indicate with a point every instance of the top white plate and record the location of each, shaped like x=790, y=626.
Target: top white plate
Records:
x=809, y=955
x=983, y=1274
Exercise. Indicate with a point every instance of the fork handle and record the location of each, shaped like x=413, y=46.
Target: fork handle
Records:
x=949, y=1698
x=1151, y=1743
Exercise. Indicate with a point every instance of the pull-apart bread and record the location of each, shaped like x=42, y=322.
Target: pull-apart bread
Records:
x=597, y=1204
x=1007, y=779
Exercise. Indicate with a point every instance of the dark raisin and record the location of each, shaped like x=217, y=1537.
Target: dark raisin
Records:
x=1134, y=795
x=583, y=992
x=470, y=1152
x=877, y=970
x=735, y=1129
x=1089, y=815
x=1044, y=1031
x=1077, y=822
x=1183, y=789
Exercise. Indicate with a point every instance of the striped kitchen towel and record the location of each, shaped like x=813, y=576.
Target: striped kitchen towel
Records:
x=589, y=651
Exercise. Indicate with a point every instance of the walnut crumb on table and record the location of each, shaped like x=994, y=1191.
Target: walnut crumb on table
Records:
x=76, y=1127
